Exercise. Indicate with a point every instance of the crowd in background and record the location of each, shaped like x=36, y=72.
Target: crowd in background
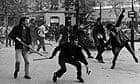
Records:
x=53, y=33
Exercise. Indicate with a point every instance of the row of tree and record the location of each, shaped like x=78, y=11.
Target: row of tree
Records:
x=14, y=7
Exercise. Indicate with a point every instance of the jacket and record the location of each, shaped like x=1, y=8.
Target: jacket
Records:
x=17, y=31
x=70, y=51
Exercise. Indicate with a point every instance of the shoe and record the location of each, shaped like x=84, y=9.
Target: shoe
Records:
x=136, y=60
x=112, y=67
x=27, y=77
x=54, y=77
x=80, y=79
x=15, y=74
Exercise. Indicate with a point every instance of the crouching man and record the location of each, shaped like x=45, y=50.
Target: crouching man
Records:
x=70, y=53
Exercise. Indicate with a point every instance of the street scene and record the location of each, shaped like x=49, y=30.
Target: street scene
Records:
x=126, y=71
x=69, y=41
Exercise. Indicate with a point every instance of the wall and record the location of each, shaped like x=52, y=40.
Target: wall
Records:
x=49, y=15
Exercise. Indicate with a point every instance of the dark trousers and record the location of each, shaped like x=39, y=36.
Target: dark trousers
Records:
x=62, y=64
x=116, y=50
x=100, y=49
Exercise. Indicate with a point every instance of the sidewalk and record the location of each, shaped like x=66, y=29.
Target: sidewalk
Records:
x=125, y=72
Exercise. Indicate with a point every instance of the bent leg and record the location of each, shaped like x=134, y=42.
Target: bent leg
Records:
x=78, y=67
x=62, y=69
x=99, y=55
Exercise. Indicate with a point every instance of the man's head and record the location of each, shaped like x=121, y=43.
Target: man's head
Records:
x=74, y=40
x=109, y=26
x=99, y=19
x=24, y=21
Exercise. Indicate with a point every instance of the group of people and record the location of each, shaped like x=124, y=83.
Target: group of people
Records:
x=4, y=31
x=70, y=46
x=22, y=31
x=117, y=38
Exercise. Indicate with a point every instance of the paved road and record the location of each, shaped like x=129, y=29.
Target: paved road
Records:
x=126, y=71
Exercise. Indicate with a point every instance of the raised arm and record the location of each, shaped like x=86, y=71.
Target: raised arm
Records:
x=119, y=21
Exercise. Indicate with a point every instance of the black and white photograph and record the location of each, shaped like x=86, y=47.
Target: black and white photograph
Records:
x=69, y=41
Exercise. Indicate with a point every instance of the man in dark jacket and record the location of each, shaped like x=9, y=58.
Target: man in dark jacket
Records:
x=22, y=32
x=33, y=32
x=72, y=54
x=118, y=40
x=99, y=38
x=63, y=31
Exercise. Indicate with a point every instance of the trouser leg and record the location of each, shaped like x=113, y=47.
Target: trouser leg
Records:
x=18, y=53
x=43, y=44
x=17, y=66
x=100, y=51
x=26, y=60
x=78, y=67
x=131, y=51
x=115, y=51
x=62, y=69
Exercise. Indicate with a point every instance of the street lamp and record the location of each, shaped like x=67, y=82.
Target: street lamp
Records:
x=132, y=28
x=77, y=12
x=6, y=18
x=100, y=9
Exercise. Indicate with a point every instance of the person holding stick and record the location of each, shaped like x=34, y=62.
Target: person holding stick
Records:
x=22, y=32
x=70, y=53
